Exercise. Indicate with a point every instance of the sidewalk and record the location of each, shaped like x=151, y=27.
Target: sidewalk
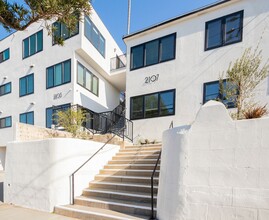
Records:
x=11, y=212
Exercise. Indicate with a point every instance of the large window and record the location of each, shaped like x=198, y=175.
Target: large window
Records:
x=87, y=80
x=4, y=55
x=153, y=52
x=60, y=30
x=224, y=31
x=27, y=85
x=59, y=74
x=153, y=105
x=51, y=114
x=5, y=122
x=5, y=89
x=213, y=91
x=94, y=36
x=33, y=44
x=27, y=118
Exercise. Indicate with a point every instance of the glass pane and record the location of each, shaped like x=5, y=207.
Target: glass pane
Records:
x=30, y=118
x=137, y=107
x=74, y=32
x=88, y=80
x=8, y=122
x=151, y=106
x=152, y=52
x=95, y=37
x=88, y=28
x=102, y=46
x=2, y=123
x=50, y=77
x=1, y=57
x=6, y=54
x=58, y=75
x=67, y=71
x=7, y=88
x=49, y=117
x=33, y=44
x=23, y=118
x=26, y=48
x=39, y=41
x=30, y=84
x=167, y=48
x=212, y=92
x=2, y=90
x=95, y=85
x=57, y=31
x=23, y=86
x=65, y=31
x=233, y=28
x=137, y=57
x=214, y=34
x=167, y=103
x=80, y=75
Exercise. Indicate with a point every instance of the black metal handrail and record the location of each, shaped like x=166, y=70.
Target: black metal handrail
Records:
x=72, y=176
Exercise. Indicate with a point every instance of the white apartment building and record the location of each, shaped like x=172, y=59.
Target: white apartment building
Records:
x=174, y=67
x=38, y=76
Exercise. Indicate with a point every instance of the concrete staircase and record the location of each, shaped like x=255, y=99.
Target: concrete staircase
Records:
x=122, y=190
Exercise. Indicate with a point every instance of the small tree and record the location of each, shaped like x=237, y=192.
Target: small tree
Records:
x=243, y=76
x=71, y=120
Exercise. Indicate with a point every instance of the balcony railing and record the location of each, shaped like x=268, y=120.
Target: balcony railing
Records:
x=118, y=62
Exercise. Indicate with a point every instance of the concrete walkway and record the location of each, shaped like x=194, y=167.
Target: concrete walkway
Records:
x=11, y=212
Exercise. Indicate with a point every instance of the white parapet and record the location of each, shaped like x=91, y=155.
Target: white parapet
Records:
x=38, y=172
x=215, y=169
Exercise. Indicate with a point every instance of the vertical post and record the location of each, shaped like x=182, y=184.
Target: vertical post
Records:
x=129, y=16
x=73, y=190
x=152, y=203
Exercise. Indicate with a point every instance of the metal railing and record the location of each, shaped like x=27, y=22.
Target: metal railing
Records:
x=118, y=62
x=72, y=176
x=152, y=179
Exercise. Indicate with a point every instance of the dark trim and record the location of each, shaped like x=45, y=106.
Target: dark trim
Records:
x=5, y=85
x=10, y=122
x=222, y=19
x=26, y=117
x=62, y=74
x=143, y=96
x=36, y=45
x=159, y=52
x=221, y=2
x=27, y=85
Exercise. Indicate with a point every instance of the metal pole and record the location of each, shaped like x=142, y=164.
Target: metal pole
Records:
x=129, y=16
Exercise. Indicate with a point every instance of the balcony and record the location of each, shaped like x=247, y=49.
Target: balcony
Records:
x=118, y=62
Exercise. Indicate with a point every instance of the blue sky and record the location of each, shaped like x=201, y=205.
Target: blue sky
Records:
x=144, y=13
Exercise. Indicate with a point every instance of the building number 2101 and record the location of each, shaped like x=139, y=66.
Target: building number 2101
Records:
x=151, y=79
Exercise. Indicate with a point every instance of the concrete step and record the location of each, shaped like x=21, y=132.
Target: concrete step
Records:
x=140, y=161
x=130, y=187
x=90, y=213
x=133, y=166
x=120, y=194
x=128, y=172
x=141, y=148
x=128, y=207
x=135, y=157
x=145, y=152
x=126, y=179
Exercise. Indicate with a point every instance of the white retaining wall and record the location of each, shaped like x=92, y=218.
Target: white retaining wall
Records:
x=215, y=169
x=37, y=172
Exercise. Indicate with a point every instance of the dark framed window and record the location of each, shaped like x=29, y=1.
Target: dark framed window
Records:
x=5, y=89
x=58, y=74
x=6, y=122
x=153, y=105
x=51, y=117
x=60, y=30
x=27, y=85
x=4, y=55
x=153, y=52
x=213, y=91
x=224, y=31
x=27, y=118
x=32, y=44
x=87, y=79
x=94, y=36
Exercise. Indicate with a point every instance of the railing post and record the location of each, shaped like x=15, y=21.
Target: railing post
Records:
x=152, y=203
x=73, y=190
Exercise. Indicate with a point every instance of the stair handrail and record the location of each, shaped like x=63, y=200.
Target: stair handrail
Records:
x=72, y=176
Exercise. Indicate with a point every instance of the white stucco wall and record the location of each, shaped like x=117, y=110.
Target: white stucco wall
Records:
x=193, y=66
x=215, y=169
x=37, y=172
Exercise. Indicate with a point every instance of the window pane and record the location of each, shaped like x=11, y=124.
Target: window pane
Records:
x=2, y=123
x=167, y=48
x=67, y=71
x=74, y=32
x=65, y=31
x=39, y=41
x=95, y=85
x=214, y=34
x=2, y=90
x=30, y=84
x=80, y=75
x=30, y=118
x=1, y=57
x=95, y=37
x=233, y=28
x=49, y=117
x=212, y=91
x=167, y=103
x=26, y=48
x=151, y=106
x=88, y=80
x=50, y=77
x=33, y=44
x=152, y=52
x=8, y=122
x=6, y=54
x=57, y=31
x=7, y=88
x=23, y=86
x=23, y=118
x=137, y=107
x=58, y=75
x=102, y=46
x=88, y=28
x=137, y=57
